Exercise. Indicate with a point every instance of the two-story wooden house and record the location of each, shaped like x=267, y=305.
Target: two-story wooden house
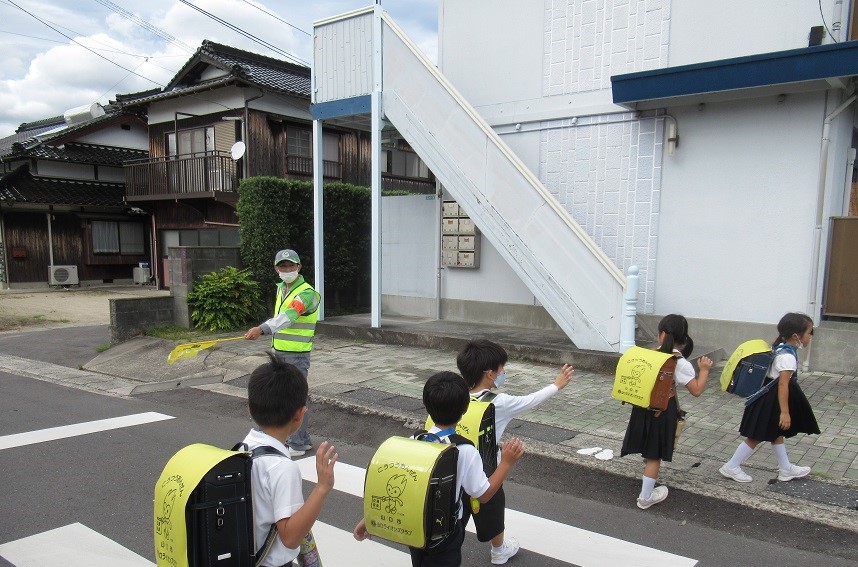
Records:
x=63, y=218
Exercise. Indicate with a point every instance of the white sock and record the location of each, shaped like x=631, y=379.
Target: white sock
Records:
x=743, y=451
x=497, y=548
x=646, y=487
x=781, y=454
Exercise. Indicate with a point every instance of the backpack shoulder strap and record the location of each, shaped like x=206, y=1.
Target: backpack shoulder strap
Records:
x=272, y=533
x=457, y=439
x=487, y=396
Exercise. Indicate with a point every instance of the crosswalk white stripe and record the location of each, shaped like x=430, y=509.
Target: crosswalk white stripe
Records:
x=339, y=547
x=85, y=428
x=74, y=545
x=541, y=535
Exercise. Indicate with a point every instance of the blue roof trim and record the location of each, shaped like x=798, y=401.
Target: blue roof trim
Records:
x=340, y=108
x=780, y=67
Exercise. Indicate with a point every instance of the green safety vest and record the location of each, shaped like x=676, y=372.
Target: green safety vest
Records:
x=298, y=337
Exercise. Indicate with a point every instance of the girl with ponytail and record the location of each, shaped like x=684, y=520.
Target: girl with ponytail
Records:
x=652, y=434
x=781, y=412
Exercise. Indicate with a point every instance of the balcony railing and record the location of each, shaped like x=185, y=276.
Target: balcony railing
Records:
x=304, y=166
x=181, y=175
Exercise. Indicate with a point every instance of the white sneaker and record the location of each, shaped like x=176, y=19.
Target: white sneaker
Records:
x=295, y=452
x=508, y=549
x=736, y=474
x=794, y=471
x=659, y=493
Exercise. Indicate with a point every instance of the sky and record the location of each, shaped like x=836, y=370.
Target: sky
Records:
x=63, y=54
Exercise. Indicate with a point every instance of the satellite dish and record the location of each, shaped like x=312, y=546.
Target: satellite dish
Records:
x=237, y=150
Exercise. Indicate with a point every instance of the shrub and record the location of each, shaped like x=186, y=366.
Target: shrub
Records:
x=224, y=300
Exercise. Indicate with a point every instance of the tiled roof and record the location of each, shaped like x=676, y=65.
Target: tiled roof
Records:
x=82, y=153
x=55, y=130
x=22, y=187
x=262, y=70
x=28, y=130
x=258, y=70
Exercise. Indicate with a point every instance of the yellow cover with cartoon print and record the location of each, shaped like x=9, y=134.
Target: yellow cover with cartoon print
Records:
x=636, y=374
x=745, y=349
x=180, y=477
x=408, y=493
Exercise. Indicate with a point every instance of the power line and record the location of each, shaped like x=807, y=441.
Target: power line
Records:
x=80, y=44
x=146, y=25
x=89, y=38
x=248, y=35
x=276, y=17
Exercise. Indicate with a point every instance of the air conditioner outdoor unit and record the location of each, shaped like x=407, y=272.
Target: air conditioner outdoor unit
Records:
x=63, y=275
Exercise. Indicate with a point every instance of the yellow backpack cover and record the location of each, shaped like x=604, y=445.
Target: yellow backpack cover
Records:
x=410, y=491
x=744, y=350
x=637, y=372
x=478, y=426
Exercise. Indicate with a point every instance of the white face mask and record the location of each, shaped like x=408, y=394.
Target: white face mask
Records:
x=500, y=379
x=288, y=277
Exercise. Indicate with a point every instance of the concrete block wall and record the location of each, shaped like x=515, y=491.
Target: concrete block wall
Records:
x=587, y=41
x=130, y=316
x=187, y=263
x=606, y=169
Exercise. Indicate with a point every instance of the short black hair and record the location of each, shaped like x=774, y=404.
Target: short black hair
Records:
x=476, y=357
x=446, y=398
x=275, y=391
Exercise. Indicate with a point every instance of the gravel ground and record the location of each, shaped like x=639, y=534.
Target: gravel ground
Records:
x=61, y=307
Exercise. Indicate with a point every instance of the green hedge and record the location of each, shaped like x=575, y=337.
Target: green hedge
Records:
x=277, y=213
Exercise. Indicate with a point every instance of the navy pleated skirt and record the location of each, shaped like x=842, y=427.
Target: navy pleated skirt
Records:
x=649, y=435
x=760, y=420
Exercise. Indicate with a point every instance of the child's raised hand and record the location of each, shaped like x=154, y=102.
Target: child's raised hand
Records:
x=512, y=451
x=326, y=458
x=564, y=377
x=704, y=363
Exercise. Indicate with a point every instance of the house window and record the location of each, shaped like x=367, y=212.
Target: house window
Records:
x=299, y=152
x=403, y=163
x=112, y=237
x=299, y=142
x=192, y=142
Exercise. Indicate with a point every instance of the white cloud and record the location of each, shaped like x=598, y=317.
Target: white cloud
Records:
x=40, y=78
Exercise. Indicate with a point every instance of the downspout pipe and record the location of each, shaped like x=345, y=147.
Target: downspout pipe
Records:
x=812, y=303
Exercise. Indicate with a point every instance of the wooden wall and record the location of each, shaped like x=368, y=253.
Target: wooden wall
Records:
x=72, y=245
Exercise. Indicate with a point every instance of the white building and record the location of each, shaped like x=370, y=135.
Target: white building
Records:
x=707, y=143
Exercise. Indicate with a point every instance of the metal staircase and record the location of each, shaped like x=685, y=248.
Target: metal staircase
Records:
x=575, y=281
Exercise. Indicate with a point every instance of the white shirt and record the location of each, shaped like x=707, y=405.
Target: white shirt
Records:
x=684, y=372
x=276, y=488
x=783, y=361
x=469, y=472
x=507, y=406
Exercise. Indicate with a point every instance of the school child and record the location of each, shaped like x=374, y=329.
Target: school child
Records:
x=277, y=399
x=481, y=363
x=446, y=399
x=653, y=435
x=781, y=412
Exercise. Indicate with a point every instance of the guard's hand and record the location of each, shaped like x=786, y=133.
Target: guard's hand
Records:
x=253, y=334
x=704, y=363
x=564, y=377
x=326, y=458
x=360, y=532
x=512, y=451
x=785, y=421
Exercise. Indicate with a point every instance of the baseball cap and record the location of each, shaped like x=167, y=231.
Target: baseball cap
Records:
x=287, y=256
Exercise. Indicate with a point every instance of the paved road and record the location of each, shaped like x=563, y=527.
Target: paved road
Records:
x=103, y=482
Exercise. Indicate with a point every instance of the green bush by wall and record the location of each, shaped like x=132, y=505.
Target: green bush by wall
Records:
x=277, y=213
